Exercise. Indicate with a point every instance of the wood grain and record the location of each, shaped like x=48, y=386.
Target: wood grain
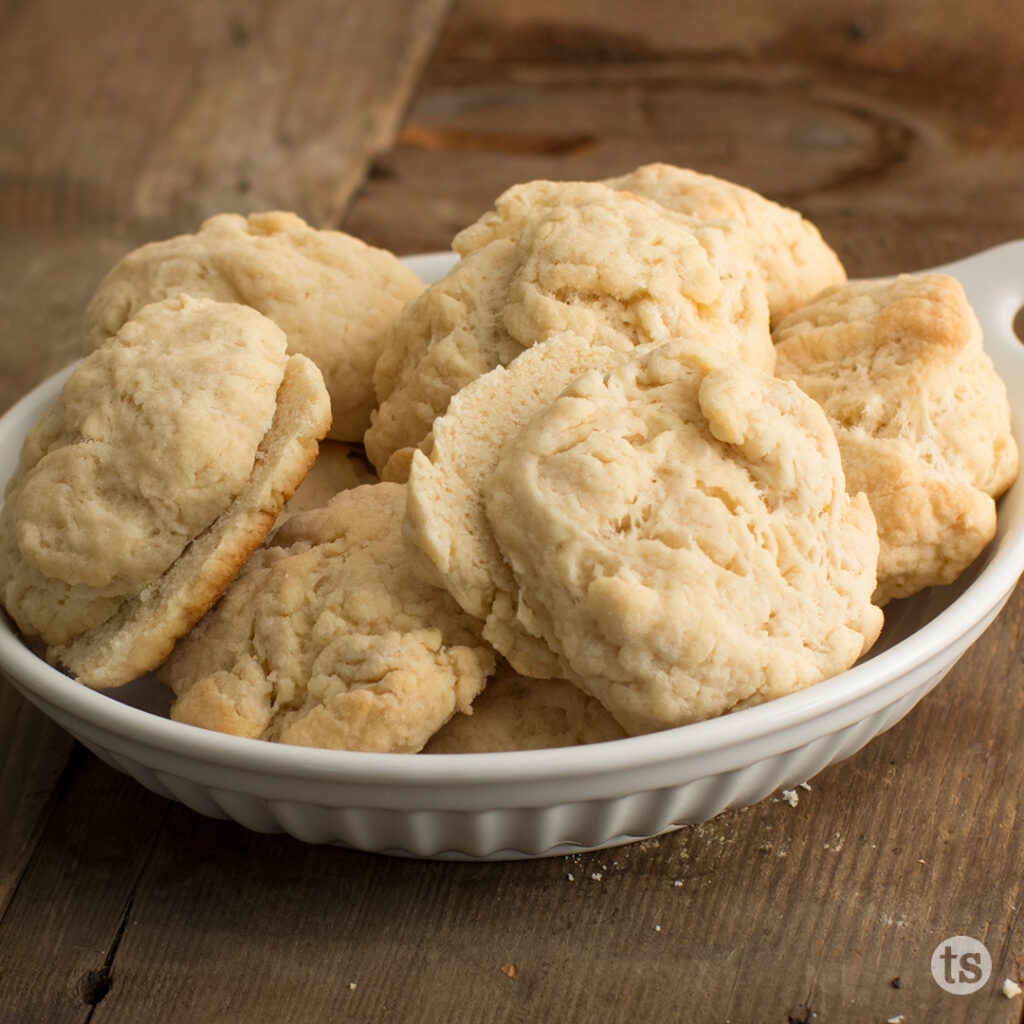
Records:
x=124, y=122
x=63, y=927
x=33, y=757
x=162, y=114
x=896, y=127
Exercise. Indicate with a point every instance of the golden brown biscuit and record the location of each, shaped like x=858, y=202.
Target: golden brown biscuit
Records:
x=921, y=416
x=332, y=295
x=680, y=537
x=518, y=713
x=794, y=259
x=150, y=438
x=600, y=263
x=328, y=640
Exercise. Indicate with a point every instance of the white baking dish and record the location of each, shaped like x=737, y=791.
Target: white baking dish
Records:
x=545, y=802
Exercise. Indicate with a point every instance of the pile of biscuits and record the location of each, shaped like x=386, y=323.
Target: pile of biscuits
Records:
x=644, y=456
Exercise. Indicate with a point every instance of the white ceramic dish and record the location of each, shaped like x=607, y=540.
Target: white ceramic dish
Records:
x=546, y=802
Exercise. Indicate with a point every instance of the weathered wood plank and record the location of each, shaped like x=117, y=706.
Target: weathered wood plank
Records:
x=33, y=756
x=162, y=114
x=124, y=122
x=47, y=274
x=879, y=124
x=65, y=920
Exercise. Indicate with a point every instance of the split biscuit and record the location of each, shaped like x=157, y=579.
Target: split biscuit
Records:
x=143, y=490
x=594, y=261
x=329, y=640
x=921, y=416
x=681, y=538
x=333, y=295
x=446, y=527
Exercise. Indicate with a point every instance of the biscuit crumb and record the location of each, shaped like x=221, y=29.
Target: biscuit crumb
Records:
x=352, y=986
x=895, y=1020
x=571, y=877
x=837, y=843
x=509, y=970
x=791, y=796
x=596, y=876
x=1011, y=989
x=657, y=927
x=677, y=883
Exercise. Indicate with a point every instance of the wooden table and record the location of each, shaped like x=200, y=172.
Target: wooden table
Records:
x=898, y=128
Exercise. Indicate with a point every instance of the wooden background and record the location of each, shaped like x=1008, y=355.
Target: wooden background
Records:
x=899, y=128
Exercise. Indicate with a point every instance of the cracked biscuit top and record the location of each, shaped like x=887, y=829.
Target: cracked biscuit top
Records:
x=329, y=640
x=601, y=263
x=449, y=538
x=794, y=259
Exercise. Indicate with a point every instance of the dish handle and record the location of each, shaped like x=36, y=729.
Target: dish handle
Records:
x=994, y=282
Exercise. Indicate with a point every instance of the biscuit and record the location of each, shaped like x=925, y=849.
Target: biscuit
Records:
x=518, y=713
x=600, y=263
x=332, y=295
x=446, y=526
x=329, y=640
x=680, y=536
x=339, y=467
x=143, y=631
x=132, y=504
x=794, y=259
x=921, y=416
x=150, y=439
